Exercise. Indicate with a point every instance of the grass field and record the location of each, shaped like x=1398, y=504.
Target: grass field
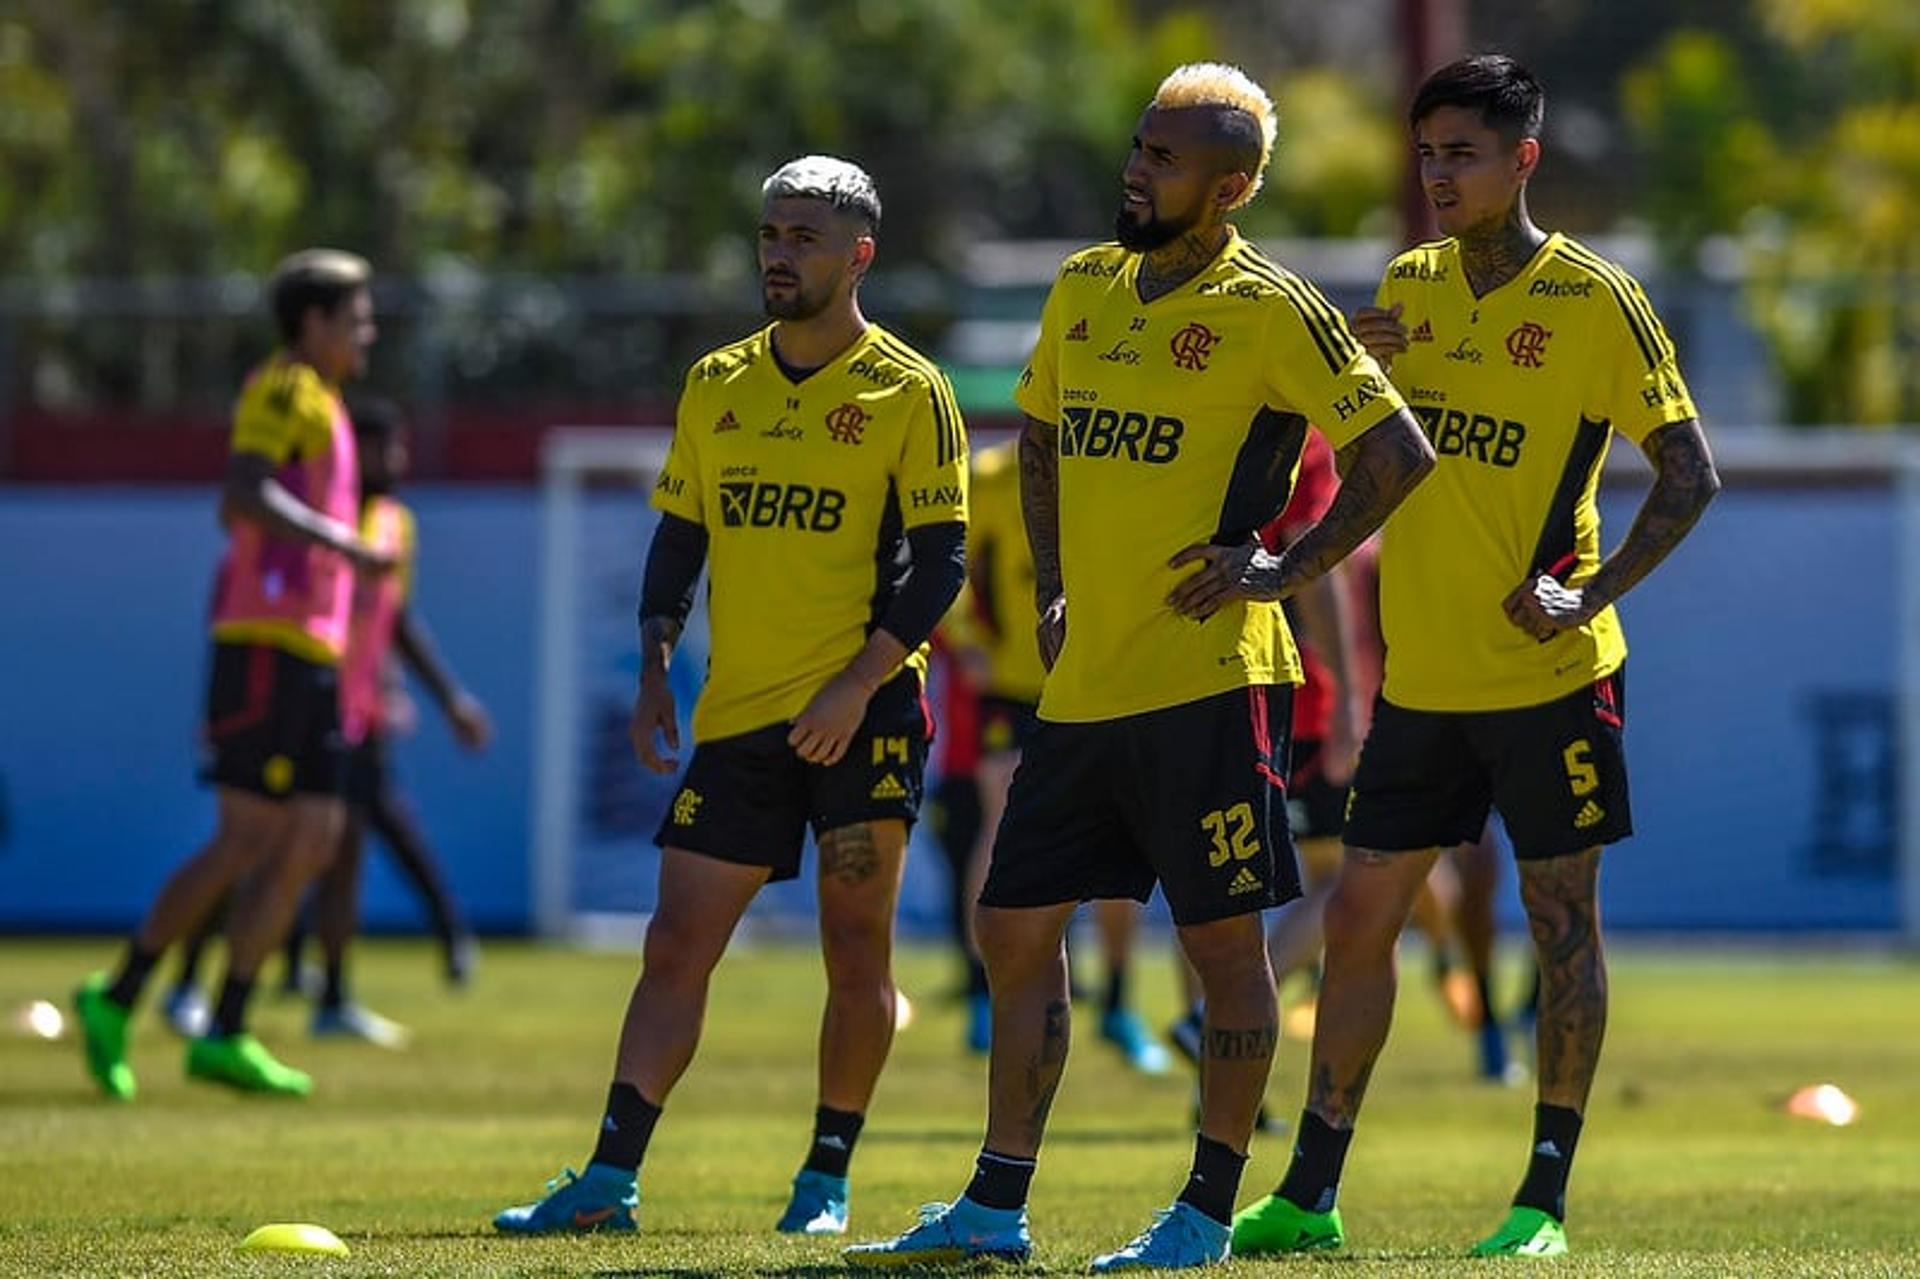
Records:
x=1688, y=1165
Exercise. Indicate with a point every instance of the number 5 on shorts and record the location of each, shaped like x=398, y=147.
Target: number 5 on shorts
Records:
x=1582, y=777
x=1231, y=831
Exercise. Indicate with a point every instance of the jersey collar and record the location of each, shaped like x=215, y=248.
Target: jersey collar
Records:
x=1130, y=273
x=1507, y=290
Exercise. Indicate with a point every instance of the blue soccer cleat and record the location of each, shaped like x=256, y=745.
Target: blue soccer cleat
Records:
x=950, y=1233
x=603, y=1198
x=1180, y=1238
x=1123, y=1028
x=818, y=1206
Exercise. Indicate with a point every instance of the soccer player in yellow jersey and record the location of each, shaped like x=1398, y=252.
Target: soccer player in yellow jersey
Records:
x=1522, y=353
x=819, y=469
x=274, y=750
x=1167, y=403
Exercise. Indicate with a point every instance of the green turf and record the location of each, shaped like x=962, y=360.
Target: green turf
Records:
x=1687, y=1165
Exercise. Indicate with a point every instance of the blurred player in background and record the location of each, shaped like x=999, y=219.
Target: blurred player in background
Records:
x=281, y=610
x=953, y=807
x=999, y=651
x=1523, y=352
x=821, y=466
x=374, y=709
x=1167, y=402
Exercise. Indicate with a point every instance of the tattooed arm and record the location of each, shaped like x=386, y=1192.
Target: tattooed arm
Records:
x=1378, y=470
x=1684, y=482
x=1040, y=506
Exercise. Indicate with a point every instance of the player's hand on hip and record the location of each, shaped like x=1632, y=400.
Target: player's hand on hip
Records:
x=471, y=726
x=1226, y=573
x=654, y=711
x=822, y=732
x=1543, y=607
x=1052, y=631
x=1381, y=332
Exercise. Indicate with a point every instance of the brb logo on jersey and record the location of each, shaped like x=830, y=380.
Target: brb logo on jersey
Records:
x=1526, y=344
x=846, y=423
x=1088, y=432
x=1474, y=436
x=770, y=504
x=1193, y=346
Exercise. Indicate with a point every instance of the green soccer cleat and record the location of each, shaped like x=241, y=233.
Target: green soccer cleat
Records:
x=243, y=1062
x=1527, y=1232
x=103, y=1033
x=1276, y=1225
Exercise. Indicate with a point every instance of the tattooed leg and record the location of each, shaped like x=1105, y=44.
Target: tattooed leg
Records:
x=860, y=868
x=1243, y=1024
x=1560, y=894
x=1026, y=958
x=1363, y=921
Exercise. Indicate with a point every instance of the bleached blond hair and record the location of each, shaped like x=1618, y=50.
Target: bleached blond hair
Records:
x=1215, y=84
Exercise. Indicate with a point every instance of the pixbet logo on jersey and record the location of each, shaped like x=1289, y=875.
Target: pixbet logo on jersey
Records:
x=1087, y=432
x=770, y=504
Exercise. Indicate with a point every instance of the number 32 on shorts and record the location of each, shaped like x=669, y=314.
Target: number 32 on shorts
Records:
x=1231, y=830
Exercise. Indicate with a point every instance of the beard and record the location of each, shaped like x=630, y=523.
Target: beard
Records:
x=798, y=305
x=1156, y=232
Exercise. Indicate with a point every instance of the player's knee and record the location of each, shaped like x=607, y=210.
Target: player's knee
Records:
x=1012, y=946
x=679, y=952
x=858, y=951
x=1356, y=921
x=1228, y=952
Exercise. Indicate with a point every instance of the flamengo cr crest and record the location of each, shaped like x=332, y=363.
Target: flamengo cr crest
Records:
x=1526, y=344
x=847, y=422
x=1192, y=346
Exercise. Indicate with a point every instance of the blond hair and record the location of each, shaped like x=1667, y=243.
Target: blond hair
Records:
x=1215, y=84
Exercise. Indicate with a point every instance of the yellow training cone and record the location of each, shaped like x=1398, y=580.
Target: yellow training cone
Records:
x=293, y=1236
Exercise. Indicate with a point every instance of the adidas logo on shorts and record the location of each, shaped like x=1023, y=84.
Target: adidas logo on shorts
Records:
x=1590, y=814
x=888, y=787
x=1244, y=881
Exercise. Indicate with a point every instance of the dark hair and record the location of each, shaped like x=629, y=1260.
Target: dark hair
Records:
x=1510, y=101
x=312, y=278
x=375, y=418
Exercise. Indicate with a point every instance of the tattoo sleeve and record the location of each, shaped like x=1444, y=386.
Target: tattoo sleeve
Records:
x=1684, y=482
x=1040, y=504
x=1378, y=470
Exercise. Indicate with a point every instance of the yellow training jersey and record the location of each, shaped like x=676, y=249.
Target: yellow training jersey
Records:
x=806, y=490
x=1520, y=392
x=1000, y=569
x=1181, y=420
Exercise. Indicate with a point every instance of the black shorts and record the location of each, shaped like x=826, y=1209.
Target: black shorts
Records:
x=748, y=799
x=1191, y=796
x=366, y=771
x=1316, y=808
x=273, y=723
x=1006, y=724
x=1557, y=772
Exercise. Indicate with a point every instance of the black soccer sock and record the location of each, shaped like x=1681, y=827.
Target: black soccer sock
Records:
x=625, y=1128
x=976, y=976
x=230, y=1015
x=1489, y=1015
x=834, y=1132
x=1319, y=1152
x=1215, y=1179
x=1116, y=997
x=135, y=967
x=1556, y=1131
x=333, y=995
x=1000, y=1181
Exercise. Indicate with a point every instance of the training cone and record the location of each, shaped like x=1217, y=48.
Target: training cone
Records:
x=294, y=1236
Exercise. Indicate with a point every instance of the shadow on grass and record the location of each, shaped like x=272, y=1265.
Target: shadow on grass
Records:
x=1055, y=1137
